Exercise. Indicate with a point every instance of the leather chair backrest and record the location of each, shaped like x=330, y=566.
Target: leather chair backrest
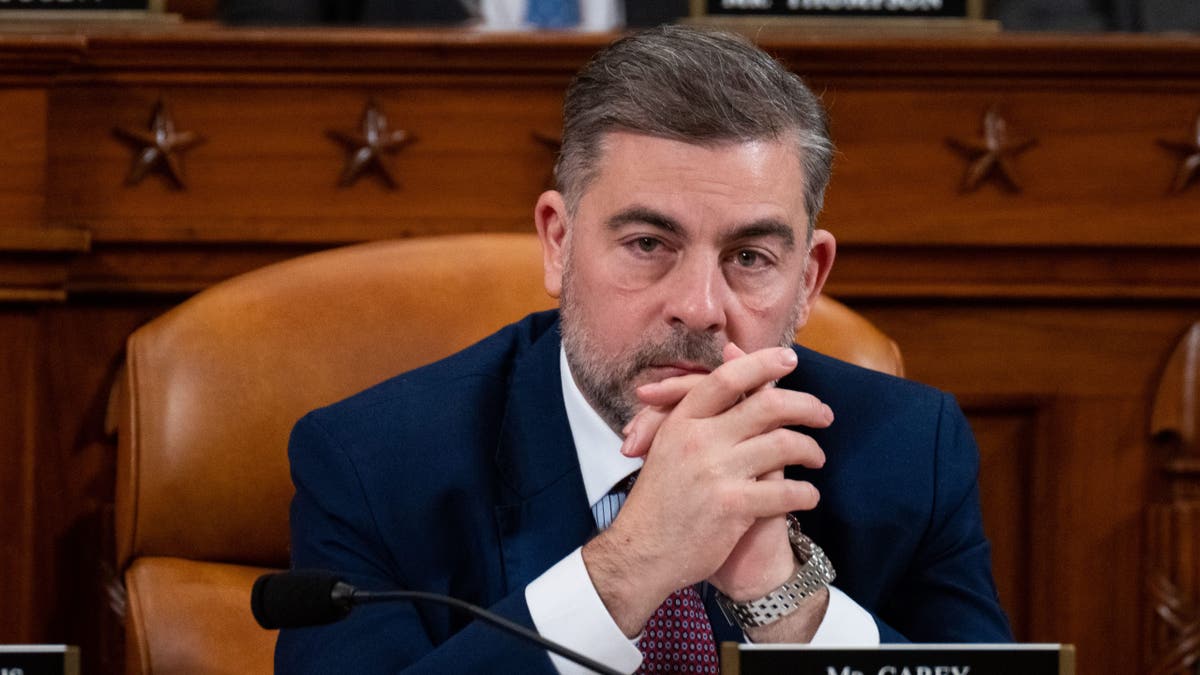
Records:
x=213, y=387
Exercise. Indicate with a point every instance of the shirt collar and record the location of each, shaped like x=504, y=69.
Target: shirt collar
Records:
x=597, y=446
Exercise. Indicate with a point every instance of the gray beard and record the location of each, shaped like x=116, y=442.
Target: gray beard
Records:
x=608, y=387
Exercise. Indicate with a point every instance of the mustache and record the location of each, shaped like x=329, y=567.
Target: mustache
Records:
x=679, y=345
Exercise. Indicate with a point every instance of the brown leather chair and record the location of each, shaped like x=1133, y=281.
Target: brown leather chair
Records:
x=213, y=387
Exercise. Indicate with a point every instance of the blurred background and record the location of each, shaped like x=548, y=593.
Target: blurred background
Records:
x=1021, y=15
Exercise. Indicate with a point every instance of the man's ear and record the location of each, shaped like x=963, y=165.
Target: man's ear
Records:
x=550, y=216
x=820, y=261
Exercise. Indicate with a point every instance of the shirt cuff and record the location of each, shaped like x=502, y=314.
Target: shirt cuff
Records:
x=846, y=624
x=566, y=609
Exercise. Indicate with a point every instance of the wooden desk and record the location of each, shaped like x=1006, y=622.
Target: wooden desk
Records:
x=1052, y=312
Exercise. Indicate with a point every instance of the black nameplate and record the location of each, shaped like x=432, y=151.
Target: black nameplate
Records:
x=876, y=8
x=39, y=660
x=74, y=5
x=906, y=660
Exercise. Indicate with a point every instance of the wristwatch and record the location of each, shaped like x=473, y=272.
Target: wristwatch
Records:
x=813, y=572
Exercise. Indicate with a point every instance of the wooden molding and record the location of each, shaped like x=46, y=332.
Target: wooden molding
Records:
x=193, y=47
x=26, y=59
x=1172, y=628
x=1172, y=624
x=1016, y=273
x=33, y=262
x=1177, y=401
x=44, y=240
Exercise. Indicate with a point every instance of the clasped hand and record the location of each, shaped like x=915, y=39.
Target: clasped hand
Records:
x=711, y=500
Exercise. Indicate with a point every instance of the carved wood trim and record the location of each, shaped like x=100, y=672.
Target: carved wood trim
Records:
x=33, y=262
x=201, y=46
x=368, y=148
x=44, y=240
x=158, y=148
x=1172, y=635
x=33, y=59
x=1177, y=403
x=1189, y=158
x=31, y=295
x=1172, y=626
x=991, y=155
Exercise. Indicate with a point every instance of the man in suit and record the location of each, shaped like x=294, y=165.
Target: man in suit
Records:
x=682, y=245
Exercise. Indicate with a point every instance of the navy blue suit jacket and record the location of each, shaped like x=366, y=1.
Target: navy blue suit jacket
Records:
x=461, y=478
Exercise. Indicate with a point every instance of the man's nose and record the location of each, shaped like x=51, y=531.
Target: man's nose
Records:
x=696, y=296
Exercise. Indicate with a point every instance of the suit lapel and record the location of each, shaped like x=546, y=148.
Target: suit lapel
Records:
x=542, y=511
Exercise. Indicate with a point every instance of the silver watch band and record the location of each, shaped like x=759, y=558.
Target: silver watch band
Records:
x=813, y=572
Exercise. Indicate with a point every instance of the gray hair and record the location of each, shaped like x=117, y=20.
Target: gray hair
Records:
x=695, y=86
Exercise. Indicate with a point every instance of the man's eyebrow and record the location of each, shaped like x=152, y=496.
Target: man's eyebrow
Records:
x=646, y=216
x=767, y=227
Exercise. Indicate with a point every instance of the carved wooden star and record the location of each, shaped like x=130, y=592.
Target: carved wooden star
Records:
x=1189, y=166
x=991, y=155
x=368, y=148
x=159, y=148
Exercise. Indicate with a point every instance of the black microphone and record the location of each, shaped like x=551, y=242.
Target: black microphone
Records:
x=312, y=597
x=298, y=599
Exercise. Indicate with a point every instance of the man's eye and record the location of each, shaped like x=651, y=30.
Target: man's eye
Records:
x=646, y=244
x=748, y=258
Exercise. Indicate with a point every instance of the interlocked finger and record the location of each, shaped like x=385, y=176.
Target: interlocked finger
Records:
x=769, y=498
x=771, y=408
x=776, y=449
x=725, y=386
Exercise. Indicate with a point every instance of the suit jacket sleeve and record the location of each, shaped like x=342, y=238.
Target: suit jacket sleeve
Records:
x=947, y=594
x=333, y=528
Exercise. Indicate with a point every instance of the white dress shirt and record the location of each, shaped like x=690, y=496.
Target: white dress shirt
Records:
x=563, y=602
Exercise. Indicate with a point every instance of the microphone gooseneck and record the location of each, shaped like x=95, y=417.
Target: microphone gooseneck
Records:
x=311, y=598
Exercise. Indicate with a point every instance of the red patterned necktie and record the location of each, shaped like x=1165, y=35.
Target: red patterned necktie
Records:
x=678, y=638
